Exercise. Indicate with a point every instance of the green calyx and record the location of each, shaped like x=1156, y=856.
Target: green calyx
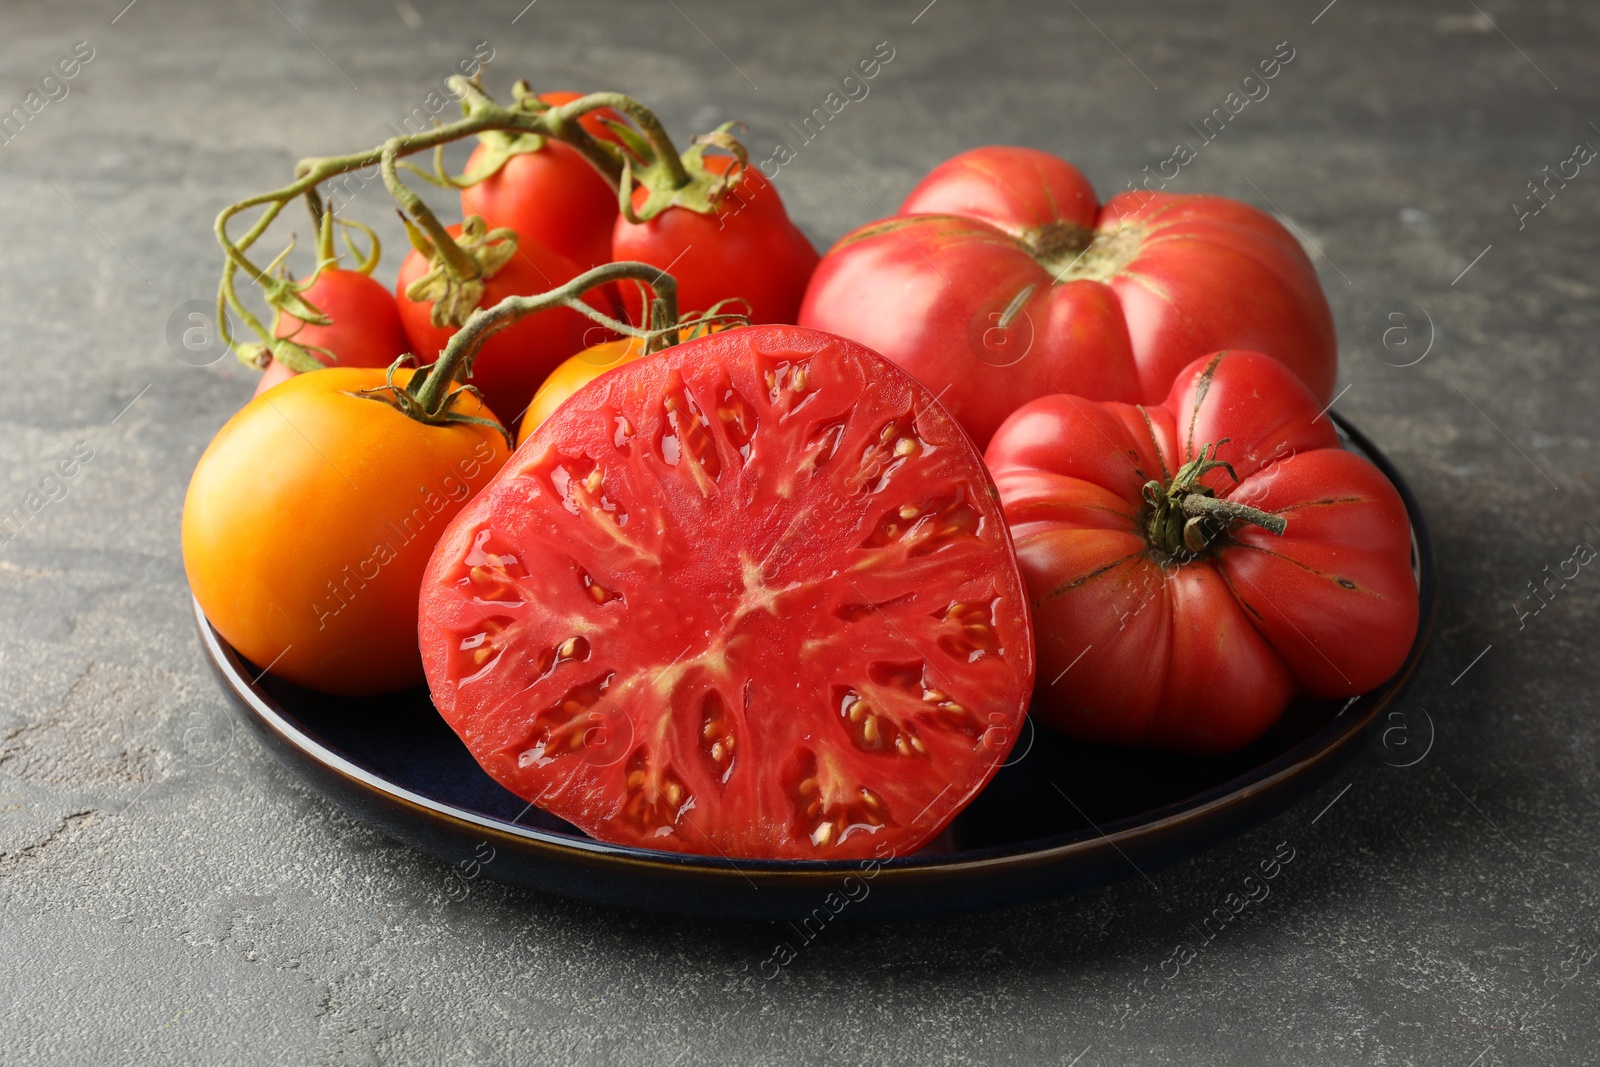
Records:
x=453, y=291
x=670, y=180
x=1186, y=519
x=285, y=296
x=426, y=400
x=499, y=146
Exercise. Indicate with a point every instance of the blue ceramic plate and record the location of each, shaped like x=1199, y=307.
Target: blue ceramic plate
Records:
x=1059, y=817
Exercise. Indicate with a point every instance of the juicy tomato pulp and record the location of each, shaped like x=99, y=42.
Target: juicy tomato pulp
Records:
x=751, y=595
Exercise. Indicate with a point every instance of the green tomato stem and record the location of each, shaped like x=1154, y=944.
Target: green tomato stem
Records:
x=455, y=363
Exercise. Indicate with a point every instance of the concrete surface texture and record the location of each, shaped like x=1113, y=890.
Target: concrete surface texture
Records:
x=169, y=895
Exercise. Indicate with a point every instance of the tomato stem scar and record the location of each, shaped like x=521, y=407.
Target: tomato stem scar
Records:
x=1186, y=517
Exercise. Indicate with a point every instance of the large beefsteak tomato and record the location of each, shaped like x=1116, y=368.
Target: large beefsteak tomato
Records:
x=751, y=595
x=1003, y=279
x=1194, y=564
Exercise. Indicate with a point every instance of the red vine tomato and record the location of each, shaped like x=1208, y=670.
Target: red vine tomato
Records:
x=1003, y=279
x=365, y=331
x=1194, y=564
x=750, y=595
x=513, y=363
x=747, y=249
x=310, y=518
x=551, y=195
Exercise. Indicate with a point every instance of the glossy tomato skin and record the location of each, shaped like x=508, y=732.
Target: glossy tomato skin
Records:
x=365, y=332
x=553, y=196
x=1004, y=279
x=751, y=595
x=512, y=363
x=748, y=249
x=310, y=518
x=1202, y=654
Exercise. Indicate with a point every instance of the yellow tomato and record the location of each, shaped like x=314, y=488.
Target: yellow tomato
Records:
x=310, y=518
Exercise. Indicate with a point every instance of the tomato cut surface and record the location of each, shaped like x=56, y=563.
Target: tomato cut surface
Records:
x=750, y=596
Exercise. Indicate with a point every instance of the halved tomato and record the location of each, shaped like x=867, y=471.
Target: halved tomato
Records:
x=751, y=596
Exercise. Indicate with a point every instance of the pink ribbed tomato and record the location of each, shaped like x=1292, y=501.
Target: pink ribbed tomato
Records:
x=1004, y=279
x=1194, y=564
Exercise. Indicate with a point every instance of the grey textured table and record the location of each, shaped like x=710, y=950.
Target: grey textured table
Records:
x=168, y=894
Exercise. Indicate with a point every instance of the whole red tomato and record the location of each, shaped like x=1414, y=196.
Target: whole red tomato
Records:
x=751, y=595
x=513, y=363
x=1003, y=279
x=1167, y=613
x=552, y=195
x=365, y=331
x=747, y=249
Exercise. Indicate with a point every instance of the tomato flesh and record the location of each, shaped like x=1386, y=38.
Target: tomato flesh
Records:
x=750, y=596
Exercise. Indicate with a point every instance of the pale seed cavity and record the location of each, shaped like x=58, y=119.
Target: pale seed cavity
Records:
x=687, y=432
x=562, y=728
x=823, y=445
x=788, y=384
x=926, y=527
x=598, y=593
x=738, y=419
x=717, y=738
x=827, y=813
x=969, y=632
x=485, y=644
x=492, y=573
x=579, y=483
x=872, y=730
x=895, y=444
x=656, y=798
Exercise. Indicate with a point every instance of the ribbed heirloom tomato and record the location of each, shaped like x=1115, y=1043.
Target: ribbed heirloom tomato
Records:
x=310, y=518
x=1194, y=564
x=751, y=595
x=1004, y=279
